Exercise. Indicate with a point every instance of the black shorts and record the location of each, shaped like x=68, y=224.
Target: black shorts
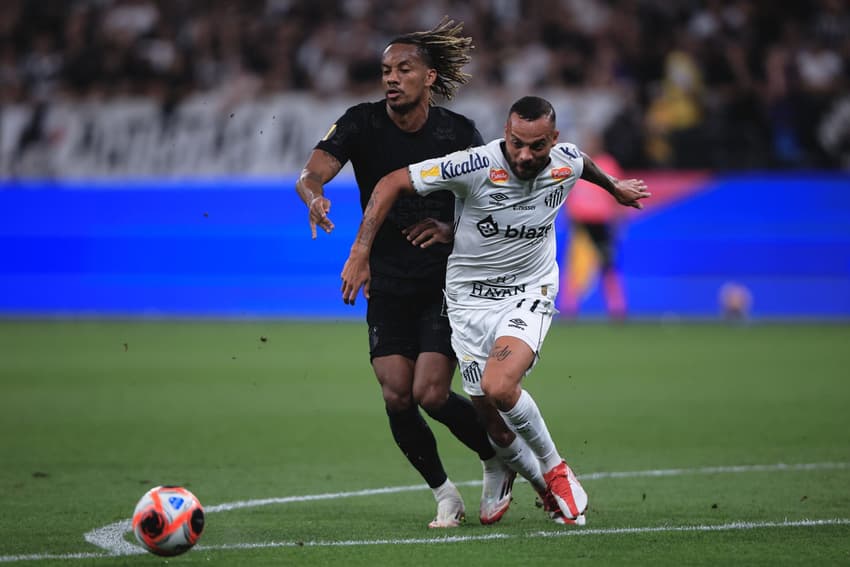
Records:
x=602, y=236
x=408, y=324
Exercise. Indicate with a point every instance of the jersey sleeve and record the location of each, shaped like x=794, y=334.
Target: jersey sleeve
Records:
x=458, y=172
x=343, y=135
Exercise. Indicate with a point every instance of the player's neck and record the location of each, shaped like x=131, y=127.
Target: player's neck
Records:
x=411, y=119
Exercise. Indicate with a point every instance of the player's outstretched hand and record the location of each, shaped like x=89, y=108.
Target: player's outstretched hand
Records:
x=355, y=274
x=319, y=209
x=629, y=192
x=429, y=231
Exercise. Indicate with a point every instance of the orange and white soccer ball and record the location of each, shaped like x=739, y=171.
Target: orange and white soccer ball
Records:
x=168, y=520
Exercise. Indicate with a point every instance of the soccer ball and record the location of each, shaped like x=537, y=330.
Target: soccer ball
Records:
x=168, y=520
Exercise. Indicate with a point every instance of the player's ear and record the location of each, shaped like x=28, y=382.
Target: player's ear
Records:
x=430, y=77
x=555, y=135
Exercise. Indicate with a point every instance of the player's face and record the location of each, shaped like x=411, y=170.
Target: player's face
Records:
x=527, y=144
x=406, y=78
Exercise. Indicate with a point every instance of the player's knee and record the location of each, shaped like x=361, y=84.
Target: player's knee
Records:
x=431, y=397
x=498, y=391
x=397, y=401
x=499, y=433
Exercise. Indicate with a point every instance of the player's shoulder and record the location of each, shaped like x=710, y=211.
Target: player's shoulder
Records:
x=567, y=157
x=566, y=150
x=444, y=116
x=364, y=110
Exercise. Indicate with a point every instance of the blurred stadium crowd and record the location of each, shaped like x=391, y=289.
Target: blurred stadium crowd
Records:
x=723, y=84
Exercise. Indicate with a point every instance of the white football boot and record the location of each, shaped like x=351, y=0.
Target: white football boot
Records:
x=450, y=509
x=496, y=491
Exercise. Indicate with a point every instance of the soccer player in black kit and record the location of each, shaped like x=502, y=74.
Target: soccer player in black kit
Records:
x=409, y=333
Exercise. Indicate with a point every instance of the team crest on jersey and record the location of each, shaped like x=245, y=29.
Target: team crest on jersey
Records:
x=498, y=175
x=561, y=172
x=487, y=227
x=555, y=198
x=430, y=173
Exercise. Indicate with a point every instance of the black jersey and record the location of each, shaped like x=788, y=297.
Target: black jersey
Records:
x=366, y=136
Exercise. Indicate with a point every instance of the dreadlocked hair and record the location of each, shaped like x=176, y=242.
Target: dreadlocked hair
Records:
x=444, y=49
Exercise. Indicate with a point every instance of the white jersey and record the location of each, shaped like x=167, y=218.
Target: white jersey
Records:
x=504, y=226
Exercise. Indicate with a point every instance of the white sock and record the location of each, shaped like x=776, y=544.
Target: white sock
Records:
x=445, y=490
x=519, y=456
x=526, y=420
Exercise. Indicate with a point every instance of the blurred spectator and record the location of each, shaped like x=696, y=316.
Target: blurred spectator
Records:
x=704, y=84
x=592, y=251
x=675, y=114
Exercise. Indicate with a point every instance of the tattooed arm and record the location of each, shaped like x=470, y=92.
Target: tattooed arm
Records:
x=626, y=191
x=355, y=273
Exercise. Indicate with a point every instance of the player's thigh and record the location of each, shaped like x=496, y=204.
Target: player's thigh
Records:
x=509, y=360
x=435, y=363
x=471, y=341
x=519, y=335
x=395, y=375
x=432, y=379
x=432, y=323
x=391, y=327
x=392, y=348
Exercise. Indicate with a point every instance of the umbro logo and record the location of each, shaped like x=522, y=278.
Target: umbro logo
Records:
x=517, y=324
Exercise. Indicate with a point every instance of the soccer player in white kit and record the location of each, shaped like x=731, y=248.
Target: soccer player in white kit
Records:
x=502, y=276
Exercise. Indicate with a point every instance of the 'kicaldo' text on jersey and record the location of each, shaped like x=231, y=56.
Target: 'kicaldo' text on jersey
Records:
x=504, y=226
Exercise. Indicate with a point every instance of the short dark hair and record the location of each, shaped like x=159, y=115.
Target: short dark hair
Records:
x=444, y=49
x=533, y=107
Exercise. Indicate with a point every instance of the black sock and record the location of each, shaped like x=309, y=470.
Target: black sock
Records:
x=416, y=441
x=459, y=415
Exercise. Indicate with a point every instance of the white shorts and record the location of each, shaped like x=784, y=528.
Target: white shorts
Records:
x=474, y=331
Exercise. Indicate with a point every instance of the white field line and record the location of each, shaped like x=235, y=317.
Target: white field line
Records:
x=549, y=534
x=110, y=538
x=733, y=526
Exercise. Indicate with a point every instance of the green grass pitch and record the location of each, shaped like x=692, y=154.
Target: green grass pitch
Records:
x=93, y=413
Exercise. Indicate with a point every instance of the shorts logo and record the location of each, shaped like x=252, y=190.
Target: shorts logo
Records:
x=561, y=172
x=555, y=198
x=518, y=324
x=488, y=227
x=489, y=291
x=498, y=175
x=429, y=173
x=471, y=373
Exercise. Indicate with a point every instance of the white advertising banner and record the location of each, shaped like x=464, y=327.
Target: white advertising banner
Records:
x=201, y=137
